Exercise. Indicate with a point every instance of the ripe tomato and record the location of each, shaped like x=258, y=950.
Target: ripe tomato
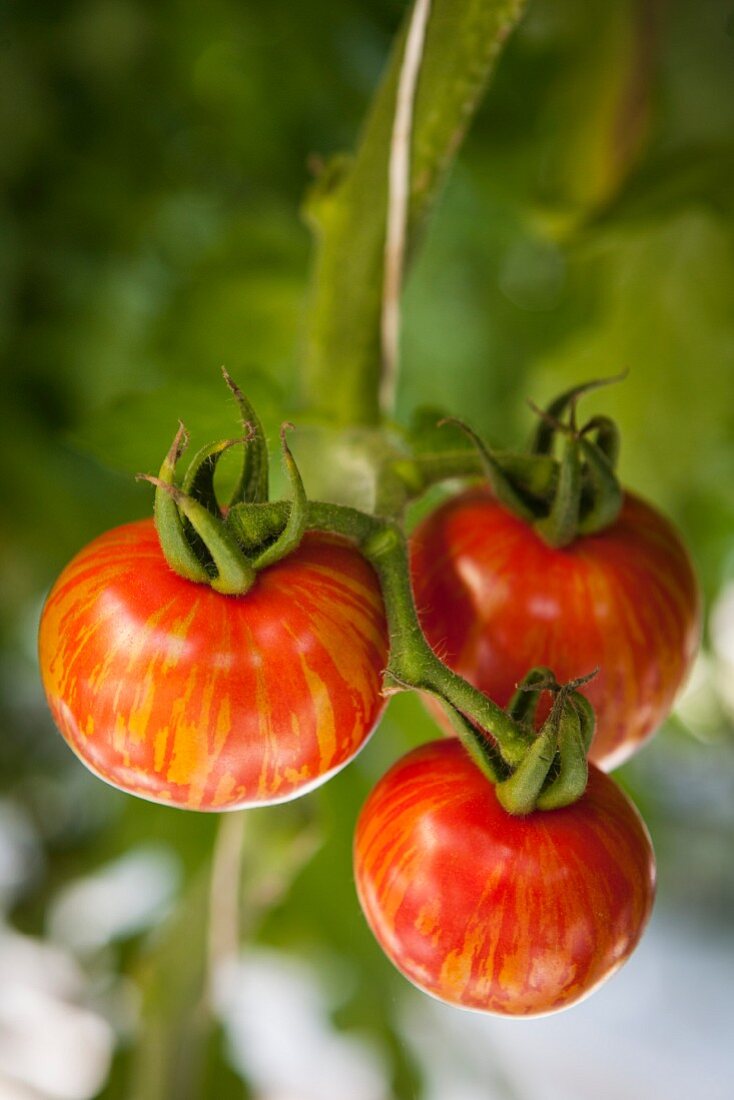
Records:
x=495, y=600
x=512, y=915
x=170, y=691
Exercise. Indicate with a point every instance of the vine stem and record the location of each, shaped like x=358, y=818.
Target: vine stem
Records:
x=397, y=203
x=412, y=662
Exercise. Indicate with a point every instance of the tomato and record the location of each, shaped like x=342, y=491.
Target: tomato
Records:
x=511, y=915
x=495, y=600
x=171, y=691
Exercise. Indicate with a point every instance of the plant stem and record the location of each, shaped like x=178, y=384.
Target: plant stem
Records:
x=347, y=207
x=412, y=662
x=432, y=468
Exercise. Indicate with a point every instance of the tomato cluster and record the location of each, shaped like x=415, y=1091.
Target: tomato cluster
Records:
x=170, y=689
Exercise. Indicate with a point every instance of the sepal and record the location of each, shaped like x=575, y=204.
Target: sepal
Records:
x=291, y=535
x=170, y=524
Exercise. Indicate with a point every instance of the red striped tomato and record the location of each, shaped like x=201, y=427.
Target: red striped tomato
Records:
x=170, y=691
x=512, y=915
x=495, y=600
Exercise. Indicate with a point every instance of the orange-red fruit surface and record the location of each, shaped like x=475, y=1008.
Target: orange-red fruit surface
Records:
x=170, y=691
x=495, y=600
x=512, y=915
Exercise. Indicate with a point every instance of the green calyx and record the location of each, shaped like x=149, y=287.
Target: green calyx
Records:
x=587, y=495
x=197, y=537
x=554, y=771
x=562, y=496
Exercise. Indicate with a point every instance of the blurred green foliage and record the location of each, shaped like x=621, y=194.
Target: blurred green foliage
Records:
x=153, y=157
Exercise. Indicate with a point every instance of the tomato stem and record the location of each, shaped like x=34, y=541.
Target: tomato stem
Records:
x=412, y=663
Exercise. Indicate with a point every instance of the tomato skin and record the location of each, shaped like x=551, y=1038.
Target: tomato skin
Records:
x=518, y=916
x=173, y=692
x=495, y=600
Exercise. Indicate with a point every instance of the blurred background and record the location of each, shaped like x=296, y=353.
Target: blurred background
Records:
x=153, y=158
